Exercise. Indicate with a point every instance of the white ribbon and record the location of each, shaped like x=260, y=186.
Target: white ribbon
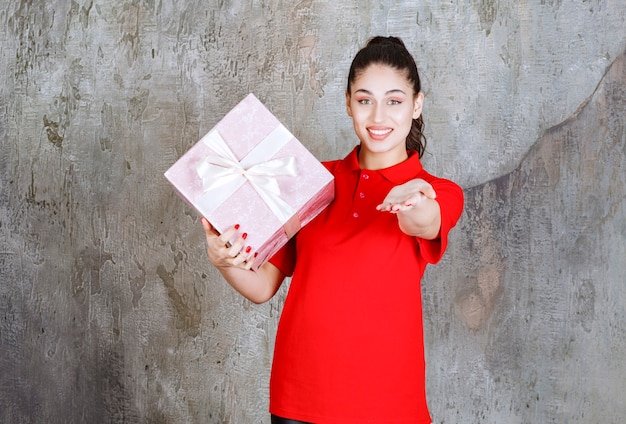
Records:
x=222, y=173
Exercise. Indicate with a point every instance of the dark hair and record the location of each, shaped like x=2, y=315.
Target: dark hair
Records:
x=392, y=52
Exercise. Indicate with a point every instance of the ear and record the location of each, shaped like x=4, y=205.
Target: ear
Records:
x=418, y=103
x=348, y=108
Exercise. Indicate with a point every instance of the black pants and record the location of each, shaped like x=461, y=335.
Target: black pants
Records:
x=279, y=420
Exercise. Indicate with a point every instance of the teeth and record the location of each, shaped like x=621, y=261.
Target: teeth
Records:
x=380, y=132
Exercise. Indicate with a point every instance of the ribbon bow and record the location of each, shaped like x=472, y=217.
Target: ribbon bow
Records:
x=222, y=174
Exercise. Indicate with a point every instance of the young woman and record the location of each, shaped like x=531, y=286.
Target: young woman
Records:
x=349, y=346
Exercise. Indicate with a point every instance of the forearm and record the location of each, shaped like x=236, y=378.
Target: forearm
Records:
x=257, y=286
x=422, y=220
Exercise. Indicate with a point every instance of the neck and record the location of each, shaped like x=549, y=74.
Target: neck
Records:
x=375, y=161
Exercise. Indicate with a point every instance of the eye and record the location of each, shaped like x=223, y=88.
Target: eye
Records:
x=364, y=101
x=394, y=102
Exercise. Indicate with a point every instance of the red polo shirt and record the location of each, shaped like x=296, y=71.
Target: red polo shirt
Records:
x=349, y=347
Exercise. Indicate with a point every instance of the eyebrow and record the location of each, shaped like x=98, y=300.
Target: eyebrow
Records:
x=394, y=91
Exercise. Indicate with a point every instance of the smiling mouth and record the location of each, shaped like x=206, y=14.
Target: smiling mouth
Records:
x=380, y=132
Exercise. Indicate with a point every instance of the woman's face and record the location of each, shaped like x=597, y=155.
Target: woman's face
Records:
x=382, y=105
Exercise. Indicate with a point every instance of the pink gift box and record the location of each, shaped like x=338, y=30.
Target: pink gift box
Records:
x=250, y=170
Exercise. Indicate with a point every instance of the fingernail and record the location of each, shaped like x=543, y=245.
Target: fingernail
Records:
x=256, y=254
x=236, y=226
x=248, y=249
x=244, y=236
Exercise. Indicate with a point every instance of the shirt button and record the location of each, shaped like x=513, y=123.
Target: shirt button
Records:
x=362, y=195
x=355, y=215
x=365, y=176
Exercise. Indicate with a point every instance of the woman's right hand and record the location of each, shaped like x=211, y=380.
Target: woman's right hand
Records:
x=234, y=260
x=222, y=253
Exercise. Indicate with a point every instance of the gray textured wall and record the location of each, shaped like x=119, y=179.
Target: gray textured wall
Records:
x=109, y=310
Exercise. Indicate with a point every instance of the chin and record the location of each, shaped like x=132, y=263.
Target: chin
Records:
x=381, y=147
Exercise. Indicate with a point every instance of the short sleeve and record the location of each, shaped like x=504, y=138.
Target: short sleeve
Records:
x=450, y=199
x=285, y=258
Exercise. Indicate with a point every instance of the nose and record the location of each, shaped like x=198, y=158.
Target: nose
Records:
x=378, y=112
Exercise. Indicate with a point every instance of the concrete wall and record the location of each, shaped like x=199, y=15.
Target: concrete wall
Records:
x=109, y=309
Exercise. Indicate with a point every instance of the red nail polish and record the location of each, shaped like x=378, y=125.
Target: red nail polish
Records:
x=244, y=236
x=256, y=254
x=248, y=249
x=236, y=226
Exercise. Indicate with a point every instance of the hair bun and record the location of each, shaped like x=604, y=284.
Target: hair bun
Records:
x=379, y=39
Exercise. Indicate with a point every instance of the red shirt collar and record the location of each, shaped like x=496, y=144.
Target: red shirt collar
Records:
x=397, y=174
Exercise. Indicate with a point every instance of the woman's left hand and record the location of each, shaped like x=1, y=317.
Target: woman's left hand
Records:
x=406, y=196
